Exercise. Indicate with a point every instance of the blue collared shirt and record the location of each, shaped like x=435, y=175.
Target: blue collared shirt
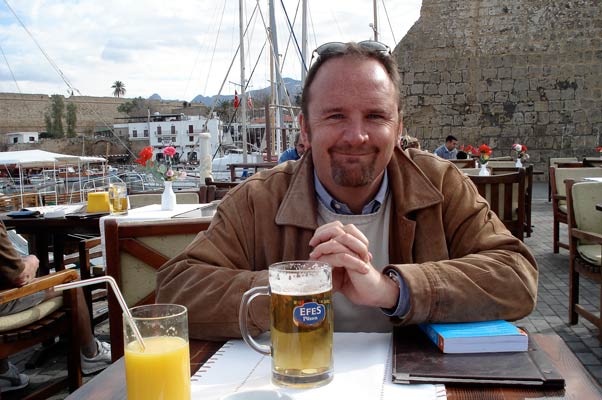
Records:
x=446, y=154
x=337, y=207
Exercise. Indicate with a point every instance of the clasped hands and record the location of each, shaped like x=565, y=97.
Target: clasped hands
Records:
x=345, y=248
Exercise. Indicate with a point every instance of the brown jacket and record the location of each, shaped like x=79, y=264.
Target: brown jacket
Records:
x=11, y=264
x=457, y=258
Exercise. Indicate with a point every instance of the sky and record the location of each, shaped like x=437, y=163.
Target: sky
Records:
x=177, y=48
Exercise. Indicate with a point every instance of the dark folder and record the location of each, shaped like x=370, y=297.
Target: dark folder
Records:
x=417, y=360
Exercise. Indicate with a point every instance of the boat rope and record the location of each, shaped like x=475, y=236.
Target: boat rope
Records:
x=15, y=80
x=292, y=34
x=219, y=29
x=72, y=89
x=389, y=21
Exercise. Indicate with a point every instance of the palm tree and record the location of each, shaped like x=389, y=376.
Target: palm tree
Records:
x=119, y=88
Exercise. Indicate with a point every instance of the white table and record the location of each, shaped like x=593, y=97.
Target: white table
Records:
x=593, y=179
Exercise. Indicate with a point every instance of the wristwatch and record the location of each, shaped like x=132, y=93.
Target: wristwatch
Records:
x=394, y=276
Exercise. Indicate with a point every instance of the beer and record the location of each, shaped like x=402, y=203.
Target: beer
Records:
x=301, y=333
x=118, y=200
x=301, y=326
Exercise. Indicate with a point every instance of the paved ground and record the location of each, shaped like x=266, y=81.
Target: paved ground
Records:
x=550, y=315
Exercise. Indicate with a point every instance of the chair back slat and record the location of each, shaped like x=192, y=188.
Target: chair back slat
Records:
x=585, y=197
x=506, y=196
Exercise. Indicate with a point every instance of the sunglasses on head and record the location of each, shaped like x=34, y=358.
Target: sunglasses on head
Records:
x=340, y=47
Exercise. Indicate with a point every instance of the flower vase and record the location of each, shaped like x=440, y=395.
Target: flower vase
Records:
x=168, y=198
x=484, y=171
x=518, y=164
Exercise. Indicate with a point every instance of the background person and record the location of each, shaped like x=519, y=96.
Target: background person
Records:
x=448, y=150
x=407, y=234
x=294, y=153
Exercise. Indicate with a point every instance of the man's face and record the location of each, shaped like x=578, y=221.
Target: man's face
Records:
x=353, y=123
x=300, y=147
x=451, y=145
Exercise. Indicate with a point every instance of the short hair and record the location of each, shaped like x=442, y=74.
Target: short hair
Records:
x=352, y=49
x=462, y=155
x=450, y=138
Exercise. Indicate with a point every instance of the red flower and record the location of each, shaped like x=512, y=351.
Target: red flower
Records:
x=484, y=149
x=169, y=151
x=145, y=155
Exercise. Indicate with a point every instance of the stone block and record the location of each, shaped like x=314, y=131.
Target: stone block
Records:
x=417, y=88
x=530, y=117
x=543, y=118
x=521, y=84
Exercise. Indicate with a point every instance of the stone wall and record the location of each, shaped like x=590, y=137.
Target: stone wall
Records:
x=504, y=72
x=25, y=112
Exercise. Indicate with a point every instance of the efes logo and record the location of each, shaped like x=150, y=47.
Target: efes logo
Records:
x=309, y=314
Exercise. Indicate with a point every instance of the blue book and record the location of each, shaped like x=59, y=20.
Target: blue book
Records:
x=477, y=337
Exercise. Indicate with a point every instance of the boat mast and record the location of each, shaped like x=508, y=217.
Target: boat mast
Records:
x=243, y=100
x=277, y=99
x=304, y=65
x=375, y=24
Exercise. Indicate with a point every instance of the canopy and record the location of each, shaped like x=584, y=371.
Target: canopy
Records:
x=41, y=158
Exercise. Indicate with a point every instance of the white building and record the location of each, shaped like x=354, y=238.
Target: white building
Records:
x=177, y=130
x=22, y=137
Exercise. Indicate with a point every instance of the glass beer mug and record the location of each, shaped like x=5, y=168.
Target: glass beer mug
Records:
x=301, y=323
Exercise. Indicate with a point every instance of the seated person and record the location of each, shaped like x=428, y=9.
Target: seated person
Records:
x=294, y=153
x=407, y=235
x=448, y=149
x=17, y=271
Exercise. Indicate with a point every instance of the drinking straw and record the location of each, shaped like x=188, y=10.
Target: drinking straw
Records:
x=111, y=281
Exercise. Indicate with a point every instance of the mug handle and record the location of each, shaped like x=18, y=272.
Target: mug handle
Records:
x=243, y=316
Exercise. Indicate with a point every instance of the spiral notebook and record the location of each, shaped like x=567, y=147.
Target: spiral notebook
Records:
x=362, y=370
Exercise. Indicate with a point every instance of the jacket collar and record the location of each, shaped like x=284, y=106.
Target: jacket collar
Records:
x=409, y=186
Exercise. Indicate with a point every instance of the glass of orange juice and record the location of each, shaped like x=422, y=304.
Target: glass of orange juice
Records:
x=118, y=198
x=162, y=370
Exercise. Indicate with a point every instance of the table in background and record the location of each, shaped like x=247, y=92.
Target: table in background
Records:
x=42, y=232
x=110, y=384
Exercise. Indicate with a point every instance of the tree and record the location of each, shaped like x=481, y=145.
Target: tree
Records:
x=71, y=119
x=137, y=107
x=118, y=89
x=54, y=117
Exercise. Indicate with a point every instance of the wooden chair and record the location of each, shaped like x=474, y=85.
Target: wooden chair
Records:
x=528, y=192
x=42, y=323
x=506, y=197
x=467, y=163
x=559, y=207
x=135, y=250
x=585, y=246
x=221, y=188
x=553, y=162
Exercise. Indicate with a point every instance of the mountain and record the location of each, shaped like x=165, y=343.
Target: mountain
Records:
x=292, y=86
x=155, y=97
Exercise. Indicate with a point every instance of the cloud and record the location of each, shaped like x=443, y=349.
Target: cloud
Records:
x=173, y=50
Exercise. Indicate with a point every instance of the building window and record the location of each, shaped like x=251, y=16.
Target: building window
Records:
x=146, y=133
x=32, y=139
x=191, y=138
x=173, y=130
x=134, y=133
x=158, y=130
x=15, y=140
x=190, y=129
x=159, y=140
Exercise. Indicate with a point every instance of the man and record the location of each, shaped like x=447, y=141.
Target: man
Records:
x=16, y=271
x=448, y=150
x=294, y=153
x=408, y=236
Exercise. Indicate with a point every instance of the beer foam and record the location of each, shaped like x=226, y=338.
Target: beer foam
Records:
x=300, y=283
